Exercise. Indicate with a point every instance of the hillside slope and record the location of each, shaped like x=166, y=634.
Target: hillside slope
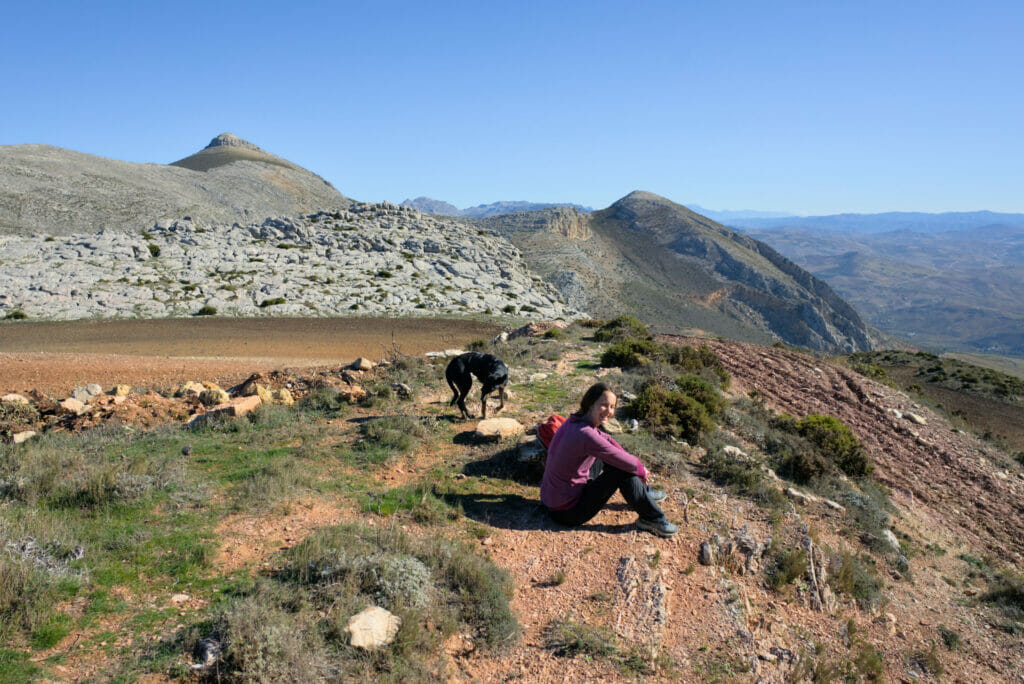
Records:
x=655, y=259
x=55, y=191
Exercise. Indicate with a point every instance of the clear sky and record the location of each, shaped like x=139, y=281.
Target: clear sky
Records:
x=811, y=107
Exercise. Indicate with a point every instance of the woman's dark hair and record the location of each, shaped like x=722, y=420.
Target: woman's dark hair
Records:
x=591, y=396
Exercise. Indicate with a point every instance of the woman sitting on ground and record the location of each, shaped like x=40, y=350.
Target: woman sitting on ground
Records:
x=585, y=466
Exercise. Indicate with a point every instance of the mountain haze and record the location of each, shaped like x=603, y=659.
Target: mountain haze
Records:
x=647, y=256
x=45, y=189
x=427, y=205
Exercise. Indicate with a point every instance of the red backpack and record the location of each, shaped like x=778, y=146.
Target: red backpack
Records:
x=546, y=430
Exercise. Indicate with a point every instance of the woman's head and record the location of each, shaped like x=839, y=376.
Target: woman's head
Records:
x=598, y=404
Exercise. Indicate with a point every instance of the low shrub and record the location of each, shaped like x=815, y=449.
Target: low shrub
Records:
x=671, y=413
x=207, y=311
x=628, y=353
x=836, y=442
x=16, y=315
x=702, y=391
x=273, y=301
x=743, y=476
x=696, y=360
x=949, y=638
x=622, y=328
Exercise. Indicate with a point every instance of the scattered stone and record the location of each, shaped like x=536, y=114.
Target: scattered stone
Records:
x=352, y=393
x=206, y=653
x=121, y=390
x=734, y=451
x=612, y=427
x=21, y=437
x=372, y=628
x=499, y=428
x=531, y=449
x=537, y=377
x=402, y=390
x=707, y=554
x=914, y=418
x=283, y=397
x=891, y=540
x=178, y=599
x=190, y=387
x=833, y=505
x=13, y=399
x=797, y=495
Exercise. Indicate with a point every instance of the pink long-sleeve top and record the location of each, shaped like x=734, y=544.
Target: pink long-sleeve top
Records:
x=571, y=454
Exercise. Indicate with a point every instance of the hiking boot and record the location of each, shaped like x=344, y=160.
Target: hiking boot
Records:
x=656, y=495
x=662, y=528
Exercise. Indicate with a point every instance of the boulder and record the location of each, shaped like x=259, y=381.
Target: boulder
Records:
x=797, y=495
x=891, y=540
x=499, y=428
x=121, y=390
x=87, y=393
x=372, y=628
x=190, y=387
x=734, y=451
x=535, y=329
x=13, y=399
x=213, y=397
x=362, y=364
x=914, y=418
x=351, y=393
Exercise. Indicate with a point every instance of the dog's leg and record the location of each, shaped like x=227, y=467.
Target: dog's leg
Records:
x=483, y=405
x=501, y=399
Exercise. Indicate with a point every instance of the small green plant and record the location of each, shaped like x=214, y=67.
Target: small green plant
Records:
x=207, y=310
x=557, y=578
x=855, y=580
x=928, y=661
x=16, y=315
x=949, y=638
x=384, y=273
x=788, y=566
x=273, y=301
x=567, y=637
x=154, y=250
x=508, y=308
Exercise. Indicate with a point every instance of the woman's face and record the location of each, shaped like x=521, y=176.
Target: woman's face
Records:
x=602, y=410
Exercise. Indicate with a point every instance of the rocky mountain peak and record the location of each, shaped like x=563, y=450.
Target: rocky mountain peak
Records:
x=232, y=140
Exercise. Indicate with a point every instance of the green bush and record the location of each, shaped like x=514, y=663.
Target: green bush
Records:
x=836, y=442
x=628, y=353
x=695, y=360
x=949, y=637
x=701, y=390
x=567, y=637
x=670, y=413
x=621, y=328
x=154, y=250
x=207, y=311
x=16, y=315
x=273, y=301
x=742, y=476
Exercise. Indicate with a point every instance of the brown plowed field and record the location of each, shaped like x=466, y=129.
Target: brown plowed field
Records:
x=57, y=357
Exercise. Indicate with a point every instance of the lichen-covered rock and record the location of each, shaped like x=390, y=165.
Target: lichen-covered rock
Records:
x=372, y=628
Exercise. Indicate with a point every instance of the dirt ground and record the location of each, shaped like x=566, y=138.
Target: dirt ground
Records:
x=57, y=357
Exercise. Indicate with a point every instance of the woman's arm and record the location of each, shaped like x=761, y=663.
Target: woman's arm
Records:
x=608, y=450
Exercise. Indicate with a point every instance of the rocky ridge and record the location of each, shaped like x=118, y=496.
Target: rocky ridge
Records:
x=367, y=259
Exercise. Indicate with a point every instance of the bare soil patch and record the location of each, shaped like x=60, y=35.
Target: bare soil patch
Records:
x=57, y=357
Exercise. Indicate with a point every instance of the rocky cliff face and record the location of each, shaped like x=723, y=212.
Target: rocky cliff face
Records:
x=50, y=190
x=658, y=260
x=369, y=259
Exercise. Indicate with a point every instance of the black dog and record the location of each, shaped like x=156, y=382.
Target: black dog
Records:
x=490, y=370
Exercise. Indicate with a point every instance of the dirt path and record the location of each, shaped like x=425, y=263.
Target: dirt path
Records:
x=56, y=357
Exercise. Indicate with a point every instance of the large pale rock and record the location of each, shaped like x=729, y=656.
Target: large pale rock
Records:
x=891, y=540
x=362, y=364
x=19, y=437
x=914, y=418
x=372, y=628
x=71, y=406
x=13, y=399
x=234, y=408
x=121, y=390
x=499, y=428
x=283, y=397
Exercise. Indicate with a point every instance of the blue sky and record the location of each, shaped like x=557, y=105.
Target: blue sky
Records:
x=810, y=107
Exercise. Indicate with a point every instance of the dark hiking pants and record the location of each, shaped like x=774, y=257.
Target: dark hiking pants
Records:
x=600, y=488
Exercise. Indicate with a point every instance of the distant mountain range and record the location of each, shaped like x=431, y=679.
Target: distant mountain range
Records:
x=918, y=222
x=947, y=289
x=427, y=205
